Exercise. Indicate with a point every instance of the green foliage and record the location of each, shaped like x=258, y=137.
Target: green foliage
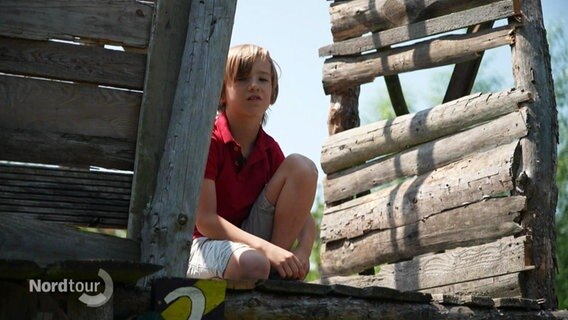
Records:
x=558, y=48
x=315, y=261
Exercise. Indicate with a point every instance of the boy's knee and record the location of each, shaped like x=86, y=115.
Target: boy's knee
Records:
x=302, y=166
x=254, y=265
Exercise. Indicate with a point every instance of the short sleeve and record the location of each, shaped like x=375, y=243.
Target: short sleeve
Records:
x=212, y=166
x=277, y=157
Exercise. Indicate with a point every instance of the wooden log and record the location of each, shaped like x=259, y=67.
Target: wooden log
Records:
x=396, y=95
x=168, y=227
x=45, y=243
x=531, y=71
x=116, y=21
x=473, y=224
x=354, y=18
x=500, y=286
x=472, y=179
x=424, y=158
x=255, y=305
x=64, y=61
x=464, y=74
x=421, y=29
x=504, y=256
x=343, y=111
x=57, y=107
x=381, y=138
x=169, y=30
x=344, y=72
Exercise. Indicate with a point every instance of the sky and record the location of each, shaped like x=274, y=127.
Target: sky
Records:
x=293, y=31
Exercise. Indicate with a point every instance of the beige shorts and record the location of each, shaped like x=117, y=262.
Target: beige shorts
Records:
x=209, y=258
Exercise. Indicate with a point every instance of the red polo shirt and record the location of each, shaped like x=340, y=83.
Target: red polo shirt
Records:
x=238, y=184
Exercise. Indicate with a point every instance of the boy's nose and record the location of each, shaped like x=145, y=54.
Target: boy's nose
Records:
x=253, y=85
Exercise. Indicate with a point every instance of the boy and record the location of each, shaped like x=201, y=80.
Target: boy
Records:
x=254, y=203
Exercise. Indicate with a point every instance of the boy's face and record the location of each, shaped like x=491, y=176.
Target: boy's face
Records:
x=250, y=94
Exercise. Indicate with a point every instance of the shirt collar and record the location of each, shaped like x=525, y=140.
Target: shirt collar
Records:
x=222, y=125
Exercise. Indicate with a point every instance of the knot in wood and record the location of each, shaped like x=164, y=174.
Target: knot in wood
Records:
x=182, y=219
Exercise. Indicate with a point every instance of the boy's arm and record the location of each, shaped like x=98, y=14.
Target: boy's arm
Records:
x=213, y=226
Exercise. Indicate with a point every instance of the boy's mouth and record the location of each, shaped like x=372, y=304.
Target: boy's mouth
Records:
x=254, y=98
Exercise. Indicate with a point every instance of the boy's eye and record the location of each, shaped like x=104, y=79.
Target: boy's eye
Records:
x=264, y=79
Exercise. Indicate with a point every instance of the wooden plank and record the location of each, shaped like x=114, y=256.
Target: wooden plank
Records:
x=425, y=157
x=353, y=18
x=169, y=30
x=77, y=220
x=504, y=256
x=116, y=21
x=474, y=301
x=62, y=180
x=70, y=150
x=45, y=243
x=50, y=106
x=61, y=207
x=123, y=179
x=453, y=21
x=473, y=224
x=396, y=95
x=16, y=194
x=55, y=192
x=463, y=76
x=521, y=303
x=343, y=72
x=78, y=63
x=168, y=227
x=381, y=138
x=70, y=187
x=472, y=179
x=500, y=286
x=531, y=71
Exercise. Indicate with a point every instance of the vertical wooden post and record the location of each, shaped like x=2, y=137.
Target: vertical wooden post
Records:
x=343, y=111
x=532, y=72
x=169, y=30
x=168, y=227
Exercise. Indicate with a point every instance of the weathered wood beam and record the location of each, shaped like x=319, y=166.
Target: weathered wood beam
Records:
x=430, y=27
x=396, y=95
x=357, y=145
x=463, y=76
x=504, y=256
x=168, y=227
x=471, y=179
x=343, y=111
x=342, y=72
x=468, y=225
x=353, y=18
x=381, y=138
x=116, y=21
x=531, y=71
x=70, y=62
x=45, y=243
x=57, y=107
x=424, y=158
x=169, y=30
x=70, y=150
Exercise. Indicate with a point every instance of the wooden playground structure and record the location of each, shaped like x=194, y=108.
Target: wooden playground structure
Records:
x=456, y=203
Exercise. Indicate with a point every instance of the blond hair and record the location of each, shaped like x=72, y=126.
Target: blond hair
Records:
x=239, y=64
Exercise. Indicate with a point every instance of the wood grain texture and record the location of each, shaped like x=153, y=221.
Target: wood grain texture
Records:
x=472, y=179
x=45, y=243
x=57, y=107
x=345, y=72
x=116, y=21
x=354, y=18
x=424, y=158
x=504, y=256
x=169, y=29
x=468, y=225
x=531, y=71
x=421, y=29
x=384, y=137
x=62, y=61
x=64, y=149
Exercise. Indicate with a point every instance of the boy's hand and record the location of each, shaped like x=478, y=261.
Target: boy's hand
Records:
x=287, y=264
x=305, y=260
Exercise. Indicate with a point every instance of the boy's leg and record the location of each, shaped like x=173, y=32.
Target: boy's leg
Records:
x=292, y=190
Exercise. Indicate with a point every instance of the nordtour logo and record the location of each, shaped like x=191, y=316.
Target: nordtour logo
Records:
x=89, y=289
